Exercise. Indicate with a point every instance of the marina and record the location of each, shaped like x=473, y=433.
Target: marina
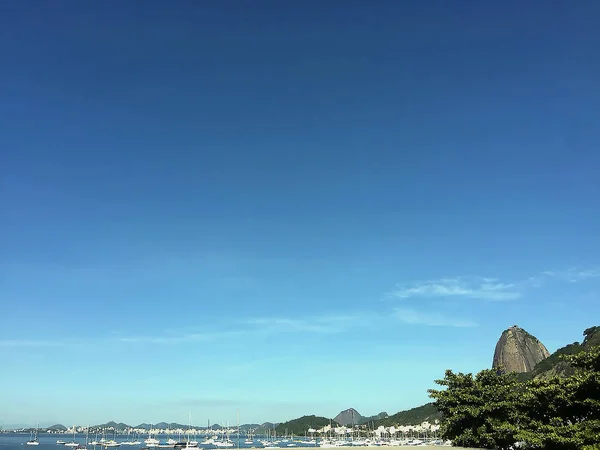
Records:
x=9, y=441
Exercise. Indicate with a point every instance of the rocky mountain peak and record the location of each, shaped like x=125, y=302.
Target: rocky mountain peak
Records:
x=349, y=416
x=518, y=351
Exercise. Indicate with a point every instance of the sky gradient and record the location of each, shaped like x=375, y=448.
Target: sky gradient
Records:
x=287, y=208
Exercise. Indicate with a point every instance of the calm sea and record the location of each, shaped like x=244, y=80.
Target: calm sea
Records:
x=16, y=441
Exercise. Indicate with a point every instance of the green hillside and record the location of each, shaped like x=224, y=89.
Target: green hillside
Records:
x=412, y=416
x=300, y=426
x=555, y=363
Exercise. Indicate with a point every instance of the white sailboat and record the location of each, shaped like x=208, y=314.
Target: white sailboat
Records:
x=113, y=442
x=170, y=442
x=72, y=443
x=150, y=441
x=34, y=440
x=224, y=442
x=87, y=439
x=135, y=441
x=189, y=443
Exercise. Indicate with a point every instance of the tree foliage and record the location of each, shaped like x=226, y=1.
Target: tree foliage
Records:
x=300, y=426
x=564, y=413
x=479, y=411
x=495, y=410
x=413, y=416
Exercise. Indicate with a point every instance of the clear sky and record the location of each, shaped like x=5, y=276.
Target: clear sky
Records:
x=287, y=207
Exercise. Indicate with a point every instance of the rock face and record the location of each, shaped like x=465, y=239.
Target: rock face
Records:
x=518, y=351
x=349, y=417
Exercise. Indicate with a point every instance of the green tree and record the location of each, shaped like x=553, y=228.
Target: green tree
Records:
x=564, y=412
x=479, y=411
x=492, y=410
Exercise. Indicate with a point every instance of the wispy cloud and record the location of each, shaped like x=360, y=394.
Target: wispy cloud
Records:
x=491, y=289
x=181, y=338
x=572, y=275
x=257, y=326
x=412, y=316
x=469, y=287
x=31, y=343
x=326, y=324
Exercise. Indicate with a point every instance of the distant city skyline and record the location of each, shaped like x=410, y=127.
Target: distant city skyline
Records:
x=287, y=208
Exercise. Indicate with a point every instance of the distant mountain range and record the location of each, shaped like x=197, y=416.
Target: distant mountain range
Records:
x=122, y=427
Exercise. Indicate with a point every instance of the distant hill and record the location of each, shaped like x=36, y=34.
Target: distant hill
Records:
x=301, y=425
x=57, y=427
x=555, y=364
x=376, y=417
x=171, y=426
x=112, y=425
x=174, y=426
x=265, y=428
x=349, y=416
x=413, y=416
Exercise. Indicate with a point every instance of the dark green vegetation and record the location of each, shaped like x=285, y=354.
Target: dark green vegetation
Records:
x=374, y=419
x=556, y=408
x=414, y=416
x=300, y=426
x=555, y=363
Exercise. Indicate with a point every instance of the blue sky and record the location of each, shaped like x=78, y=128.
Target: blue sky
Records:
x=287, y=208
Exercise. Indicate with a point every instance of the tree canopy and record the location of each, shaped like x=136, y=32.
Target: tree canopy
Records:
x=496, y=410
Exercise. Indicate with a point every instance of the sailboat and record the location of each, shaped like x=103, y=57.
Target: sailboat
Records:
x=73, y=443
x=34, y=440
x=189, y=443
x=136, y=441
x=170, y=442
x=150, y=441
x=87, y=438
x=113, y=442
x=225, y=442
x=129, y=441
